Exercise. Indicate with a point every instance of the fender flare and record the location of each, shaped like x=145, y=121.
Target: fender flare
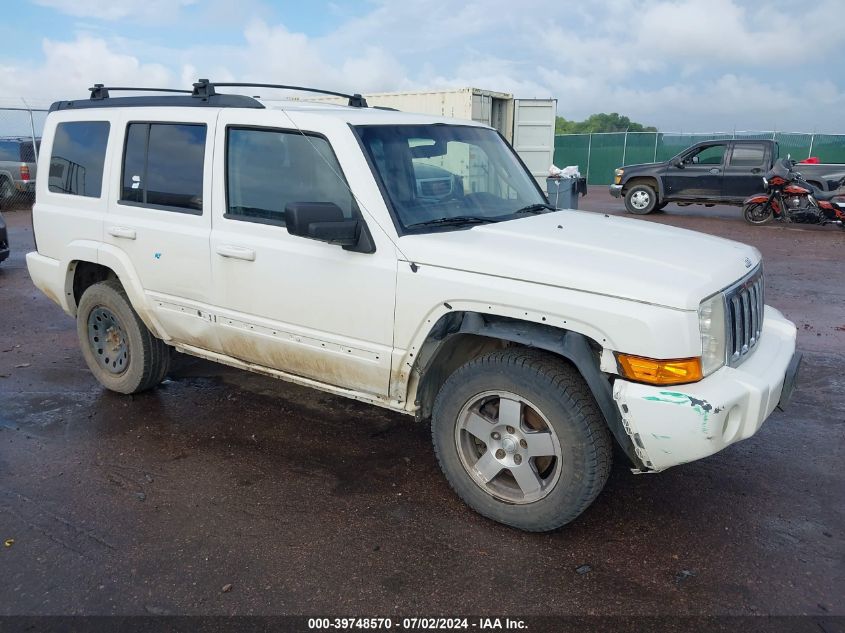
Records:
x=573, y=346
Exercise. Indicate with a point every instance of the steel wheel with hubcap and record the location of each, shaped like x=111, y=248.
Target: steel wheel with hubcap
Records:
x=118, y=348
x=520, y=438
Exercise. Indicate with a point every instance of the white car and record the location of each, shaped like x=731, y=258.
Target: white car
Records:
x=295, y=240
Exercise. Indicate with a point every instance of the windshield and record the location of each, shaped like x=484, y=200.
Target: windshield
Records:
x=449, y=175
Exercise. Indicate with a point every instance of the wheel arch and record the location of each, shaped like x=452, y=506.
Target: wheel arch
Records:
x=82, y=273
x=652, y=181
x=458, y=337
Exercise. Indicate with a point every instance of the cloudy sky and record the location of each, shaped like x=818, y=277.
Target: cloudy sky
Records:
x=682, y=65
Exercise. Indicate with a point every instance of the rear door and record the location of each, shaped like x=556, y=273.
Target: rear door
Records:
x=698, y=175
x=159, y=214
x=746, y=164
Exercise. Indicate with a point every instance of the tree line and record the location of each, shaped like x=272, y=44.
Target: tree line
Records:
x=601, y=122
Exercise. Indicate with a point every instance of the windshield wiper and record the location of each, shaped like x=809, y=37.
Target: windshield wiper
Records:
x=535, y=208
x=458, y=220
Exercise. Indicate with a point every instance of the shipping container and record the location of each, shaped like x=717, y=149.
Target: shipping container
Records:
x=527, y=124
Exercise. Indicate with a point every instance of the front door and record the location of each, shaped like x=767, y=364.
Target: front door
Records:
x=697, y=175
x=305, y=307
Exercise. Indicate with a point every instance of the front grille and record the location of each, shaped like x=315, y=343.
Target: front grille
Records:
x=744, y=304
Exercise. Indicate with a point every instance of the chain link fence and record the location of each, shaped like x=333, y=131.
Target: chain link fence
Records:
x=597, y=155
x=20, y=140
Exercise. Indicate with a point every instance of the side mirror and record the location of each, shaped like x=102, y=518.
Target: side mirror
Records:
x=322, y=221
x=678, y=163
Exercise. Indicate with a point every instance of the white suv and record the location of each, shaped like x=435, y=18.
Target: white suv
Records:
x=295, y=240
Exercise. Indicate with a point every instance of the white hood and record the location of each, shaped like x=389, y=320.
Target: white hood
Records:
x=620, y=257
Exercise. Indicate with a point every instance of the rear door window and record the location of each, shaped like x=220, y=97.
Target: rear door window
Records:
x=77, y=158
x=163, y=166
x=748, y=155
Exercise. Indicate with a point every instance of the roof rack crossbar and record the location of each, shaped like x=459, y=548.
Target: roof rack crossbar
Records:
x=355, y=100
x=99, y=91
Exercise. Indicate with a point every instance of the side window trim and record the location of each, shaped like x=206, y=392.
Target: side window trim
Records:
x=356, y=211
x=148, y=205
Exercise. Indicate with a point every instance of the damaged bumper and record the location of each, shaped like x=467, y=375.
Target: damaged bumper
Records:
x=675, y=425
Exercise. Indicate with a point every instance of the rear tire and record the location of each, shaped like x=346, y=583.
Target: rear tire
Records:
x=536, y=464
x=757, y=213
x=640, y=200
x=120, y=351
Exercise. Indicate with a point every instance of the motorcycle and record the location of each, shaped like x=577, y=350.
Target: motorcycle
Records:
x=790, y=198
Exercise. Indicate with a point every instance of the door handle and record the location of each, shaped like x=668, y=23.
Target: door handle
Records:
x=756, y=170
x=236, y=252
x=122, y=231
x=715, y=170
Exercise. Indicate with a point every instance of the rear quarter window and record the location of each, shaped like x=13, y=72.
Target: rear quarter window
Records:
x=77, y=158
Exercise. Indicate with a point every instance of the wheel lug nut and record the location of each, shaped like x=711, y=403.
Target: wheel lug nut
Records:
x=517, y=459
x=500, y=454
x=510, y=429
x=495, y=435
x=523, y=443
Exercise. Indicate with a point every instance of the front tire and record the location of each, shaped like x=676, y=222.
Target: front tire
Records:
x=640, y=200
x=757, y=213
x=521, y=440
x=120, y=351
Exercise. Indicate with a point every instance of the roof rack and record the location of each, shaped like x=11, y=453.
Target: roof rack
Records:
x=203, y=94
x=206, y=88
x=99, y=91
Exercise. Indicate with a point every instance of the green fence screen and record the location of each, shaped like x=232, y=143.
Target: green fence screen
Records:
x=597, y=155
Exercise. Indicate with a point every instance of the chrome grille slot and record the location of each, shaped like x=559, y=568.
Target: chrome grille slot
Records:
x=744, y=304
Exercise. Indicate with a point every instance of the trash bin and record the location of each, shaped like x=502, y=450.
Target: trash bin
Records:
x=563, y=192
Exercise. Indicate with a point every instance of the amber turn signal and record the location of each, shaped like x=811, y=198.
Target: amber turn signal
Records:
x=660, y=372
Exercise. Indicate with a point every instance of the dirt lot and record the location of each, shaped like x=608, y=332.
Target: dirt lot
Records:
x=308, y=503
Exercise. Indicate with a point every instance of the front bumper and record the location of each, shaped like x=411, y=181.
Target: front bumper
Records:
x=616, y=191
x=676, y=425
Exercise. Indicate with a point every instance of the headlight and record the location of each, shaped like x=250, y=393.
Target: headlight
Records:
x=618, y=176
x=711, y=324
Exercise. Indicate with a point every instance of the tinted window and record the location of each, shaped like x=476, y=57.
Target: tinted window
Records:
x=9, y=151
x=711, y=155
x=76, y=164
x=27, y=151
x=163, y=165
x=751, y=155
x=266, y=170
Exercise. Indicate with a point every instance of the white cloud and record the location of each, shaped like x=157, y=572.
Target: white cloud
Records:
x=675, y=64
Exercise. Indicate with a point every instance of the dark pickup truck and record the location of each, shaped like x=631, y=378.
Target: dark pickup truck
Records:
x=711, y=172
